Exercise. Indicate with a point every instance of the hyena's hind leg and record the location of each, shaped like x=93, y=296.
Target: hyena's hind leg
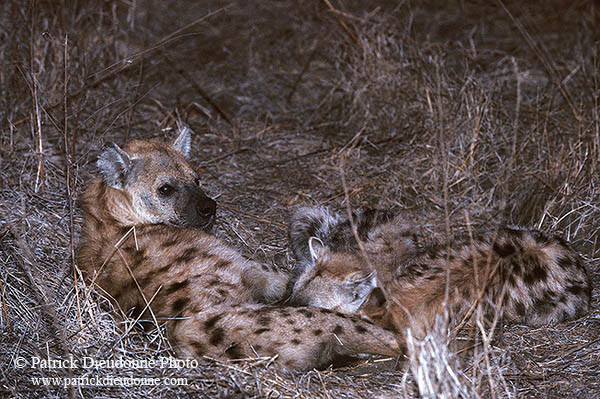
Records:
x=300, y=337
x=546, y=281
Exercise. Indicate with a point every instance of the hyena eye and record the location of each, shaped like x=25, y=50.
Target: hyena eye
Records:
x=197, y=181
x=166, y=190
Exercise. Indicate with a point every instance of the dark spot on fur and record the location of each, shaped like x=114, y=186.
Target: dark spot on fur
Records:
x=520, y=308
x=291, y=322
x=515, y=232
x=307, y=313
x=516, y=267
x=176, y=287
x=179, y=304
x=264, y=320
x=128, y=286
x=317, y=332
x=210, y=323
x=562, y=298
x=543, y=305
x=187, y=255
x=549, y=296
x=198, y=347
x=338, y=329
x=138, y=258
x=416, y=270
x=204, y=254
x=222, y=292
x=326, y=311
x=234, y=352
x=511, y=280
x=504, y=250
x=564, y=262
x=264, y=267
x=579, y=264
x=575, y=289
x=296, y=341
x=222, y=263
x=168, y=243
x=217, y=336
x=261, y=330
x=297, y=330
x=360, y=329
x=537, y=273
x=159, y=271
x=214, y=282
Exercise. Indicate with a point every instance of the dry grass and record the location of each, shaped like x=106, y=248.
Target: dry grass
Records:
x=466, y=113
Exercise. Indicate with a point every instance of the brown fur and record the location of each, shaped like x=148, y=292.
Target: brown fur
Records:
x=137, y=247
x=522, y=274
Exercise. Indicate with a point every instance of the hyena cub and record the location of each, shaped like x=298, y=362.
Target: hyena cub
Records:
x=145, y=243
x=524, y=274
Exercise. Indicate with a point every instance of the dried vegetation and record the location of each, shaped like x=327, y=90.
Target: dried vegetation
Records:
x=463, y=114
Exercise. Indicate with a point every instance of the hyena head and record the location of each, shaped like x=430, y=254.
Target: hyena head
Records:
x=158, y=183
x=338, y=281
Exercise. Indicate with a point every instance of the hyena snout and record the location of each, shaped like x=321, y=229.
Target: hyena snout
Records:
x=198, y=211
x=206, y=207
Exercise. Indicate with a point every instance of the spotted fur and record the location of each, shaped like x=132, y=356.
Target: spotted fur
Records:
x=148, y=248
x=524, y=274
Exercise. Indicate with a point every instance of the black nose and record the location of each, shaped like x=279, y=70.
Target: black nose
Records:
x=206, y=207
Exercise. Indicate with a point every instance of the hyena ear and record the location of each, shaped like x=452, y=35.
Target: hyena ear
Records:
x=367, y=282
x=114, y=164
x=316, y=248
x=360, y=288
x=183, y=142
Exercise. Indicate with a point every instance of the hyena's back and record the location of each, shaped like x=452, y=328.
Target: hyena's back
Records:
x=524, y=275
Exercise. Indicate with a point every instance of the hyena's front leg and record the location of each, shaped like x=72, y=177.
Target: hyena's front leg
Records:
x=300, y=338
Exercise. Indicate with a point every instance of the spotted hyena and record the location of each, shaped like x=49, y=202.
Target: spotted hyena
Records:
x=146, y=243
x=396, y=281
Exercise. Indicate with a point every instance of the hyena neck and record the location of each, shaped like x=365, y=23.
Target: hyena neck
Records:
x=107, y=209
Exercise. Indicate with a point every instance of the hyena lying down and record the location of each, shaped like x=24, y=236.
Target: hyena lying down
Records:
x=144, y=243
x=524, y=274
